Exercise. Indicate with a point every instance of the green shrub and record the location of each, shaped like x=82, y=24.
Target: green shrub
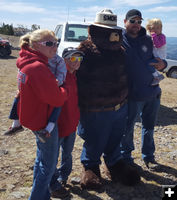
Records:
x=7, y=29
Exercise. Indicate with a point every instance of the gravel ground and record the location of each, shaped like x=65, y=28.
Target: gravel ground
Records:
x=17, y=152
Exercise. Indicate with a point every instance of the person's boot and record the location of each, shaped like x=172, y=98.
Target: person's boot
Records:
x=91, y=178
x=152, y=165
x=60, y=193
x=123, y=173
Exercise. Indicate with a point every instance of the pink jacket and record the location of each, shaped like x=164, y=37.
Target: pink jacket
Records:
x=158, y=40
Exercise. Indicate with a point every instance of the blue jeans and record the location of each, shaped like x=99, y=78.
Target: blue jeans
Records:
x=61, y=174
x=45, y=165
x=13, y=113
x=54, y=115
x=102, y=133
x=148, y=111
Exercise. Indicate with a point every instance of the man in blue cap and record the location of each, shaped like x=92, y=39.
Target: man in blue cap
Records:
x=144, y=99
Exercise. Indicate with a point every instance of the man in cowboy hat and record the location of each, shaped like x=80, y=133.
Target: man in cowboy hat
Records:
x=102, y=92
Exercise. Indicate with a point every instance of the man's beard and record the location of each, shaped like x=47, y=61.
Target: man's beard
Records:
x=133, y=32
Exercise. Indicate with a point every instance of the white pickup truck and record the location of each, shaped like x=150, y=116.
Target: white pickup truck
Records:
x=71, y=34
x=171, y=70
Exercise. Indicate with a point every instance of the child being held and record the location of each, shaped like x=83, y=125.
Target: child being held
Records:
x=58, y=68
x=154, y=27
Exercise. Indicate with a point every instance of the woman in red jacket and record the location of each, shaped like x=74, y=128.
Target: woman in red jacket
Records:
x=39, y=94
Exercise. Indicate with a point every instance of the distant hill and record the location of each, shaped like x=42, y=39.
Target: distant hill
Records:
x=172, y=48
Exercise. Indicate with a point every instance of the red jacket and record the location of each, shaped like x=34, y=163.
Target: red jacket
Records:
x=69, y=116
x=39, y=91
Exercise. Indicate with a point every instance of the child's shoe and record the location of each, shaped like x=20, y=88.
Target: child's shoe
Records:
x=157, y=79
x=13, y=130
x=161, y=77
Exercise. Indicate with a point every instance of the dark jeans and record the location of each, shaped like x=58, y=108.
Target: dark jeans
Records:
x=45, y=165
x=102, y=133
x=13, y=112
x=62, y=173
x=148, y=111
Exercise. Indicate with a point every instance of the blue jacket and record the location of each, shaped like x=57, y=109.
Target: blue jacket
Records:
x=139, y=51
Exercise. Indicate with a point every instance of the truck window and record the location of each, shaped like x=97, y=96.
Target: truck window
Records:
x=76, y=32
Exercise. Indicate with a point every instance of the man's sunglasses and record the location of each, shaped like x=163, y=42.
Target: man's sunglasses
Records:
x=49, y=43
x=76, y=58
x=133, y=21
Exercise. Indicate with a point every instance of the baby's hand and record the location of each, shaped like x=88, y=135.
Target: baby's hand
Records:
x=152, y=32
x=57, y=82
x=17, y=94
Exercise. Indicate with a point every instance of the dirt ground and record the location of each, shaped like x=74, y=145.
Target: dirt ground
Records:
x=17, y=152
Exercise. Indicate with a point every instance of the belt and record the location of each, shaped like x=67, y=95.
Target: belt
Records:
x=103, y=109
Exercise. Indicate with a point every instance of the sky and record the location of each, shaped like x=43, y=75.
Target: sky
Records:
x=49, y=13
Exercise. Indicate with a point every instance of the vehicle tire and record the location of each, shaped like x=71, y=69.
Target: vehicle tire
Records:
x=172, y=73
x=3, y=52
x=8, y=50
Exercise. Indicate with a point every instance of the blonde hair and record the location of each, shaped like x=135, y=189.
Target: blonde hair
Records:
x=35, y=36
x=153, y=22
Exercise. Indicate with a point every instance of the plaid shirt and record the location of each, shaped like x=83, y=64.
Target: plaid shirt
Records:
x=58, y=68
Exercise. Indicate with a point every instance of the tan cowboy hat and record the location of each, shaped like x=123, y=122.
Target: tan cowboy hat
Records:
x=106, y=19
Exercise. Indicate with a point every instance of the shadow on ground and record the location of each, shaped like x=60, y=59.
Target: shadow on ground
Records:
x=167, y=116
x=152, y=187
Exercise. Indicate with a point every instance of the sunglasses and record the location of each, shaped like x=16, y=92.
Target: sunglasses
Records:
x=49, y=43
x=133, y=21
x=76, y=58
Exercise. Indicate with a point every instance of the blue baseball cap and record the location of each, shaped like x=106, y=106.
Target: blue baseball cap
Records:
x=133, y=13
x=67, y=52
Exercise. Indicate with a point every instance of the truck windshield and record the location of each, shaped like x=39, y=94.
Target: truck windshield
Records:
x=76, y=32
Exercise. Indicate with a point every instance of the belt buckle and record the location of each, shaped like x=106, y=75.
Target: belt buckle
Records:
x=117, y=107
